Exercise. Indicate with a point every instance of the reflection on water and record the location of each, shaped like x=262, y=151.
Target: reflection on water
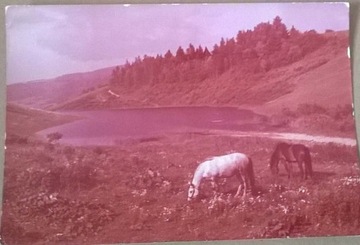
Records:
x=104, y=127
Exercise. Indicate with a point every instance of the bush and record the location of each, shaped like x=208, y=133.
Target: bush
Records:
x=98, y=150
x=308, y=109
x=16, y=139
x=340, y=208
x=342, y=112
x=54, y=137
x=337, y=153
x=287, y=112
x=68, y=151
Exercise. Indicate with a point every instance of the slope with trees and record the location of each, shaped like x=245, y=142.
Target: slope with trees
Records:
x=252, y=68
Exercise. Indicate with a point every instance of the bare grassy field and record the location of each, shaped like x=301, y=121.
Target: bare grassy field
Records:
x=27, y=121
x=137, y=192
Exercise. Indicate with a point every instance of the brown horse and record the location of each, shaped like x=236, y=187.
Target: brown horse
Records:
x=288, y=154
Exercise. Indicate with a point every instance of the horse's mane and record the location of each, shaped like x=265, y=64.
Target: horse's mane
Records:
x=277, y=150
x=209, y=159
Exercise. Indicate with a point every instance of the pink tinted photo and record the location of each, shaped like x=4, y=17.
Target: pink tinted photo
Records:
x=186, y=122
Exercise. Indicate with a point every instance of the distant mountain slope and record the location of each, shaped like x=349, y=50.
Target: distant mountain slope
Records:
x=21, y=120
x=43, y=93
x=267, y=69
x=328, y=85
x=321, y=77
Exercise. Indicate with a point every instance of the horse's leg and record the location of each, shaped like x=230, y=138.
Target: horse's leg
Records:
x=242, y=182
x=300, y=163
x=287, y=168
x=308, y=172
x=238, y=190
x=245, y=184
x=291, y=170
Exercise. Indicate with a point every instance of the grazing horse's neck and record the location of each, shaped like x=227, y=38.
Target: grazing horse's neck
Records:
x=197, y=178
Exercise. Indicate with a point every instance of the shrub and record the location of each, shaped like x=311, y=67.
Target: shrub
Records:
x=334, y=152
x=68, y=151
x=287, y=112
x=280, y=120
x=16, y=139
x=53, y=137
x=343, y=111
x=340, y=208
x=308, y=109
x=98, y=150
x=347, y=126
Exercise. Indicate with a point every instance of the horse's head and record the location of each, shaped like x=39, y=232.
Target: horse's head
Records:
x=193, y=192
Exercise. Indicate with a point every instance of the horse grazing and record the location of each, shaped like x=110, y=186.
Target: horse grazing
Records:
x=290, y=153
x=234, y=164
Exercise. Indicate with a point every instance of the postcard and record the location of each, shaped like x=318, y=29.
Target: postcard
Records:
x=179, y=122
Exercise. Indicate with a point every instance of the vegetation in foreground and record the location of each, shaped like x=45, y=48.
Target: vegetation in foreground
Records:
x=89, y=194
x=316, y=119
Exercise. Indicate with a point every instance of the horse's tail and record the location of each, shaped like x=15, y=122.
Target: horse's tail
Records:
x=308, y=164
x=251, y=174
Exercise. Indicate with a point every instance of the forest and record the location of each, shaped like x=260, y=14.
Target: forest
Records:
x=266, y=47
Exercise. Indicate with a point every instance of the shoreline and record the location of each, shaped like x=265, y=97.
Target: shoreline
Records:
x=302, y=137
x=62, y=117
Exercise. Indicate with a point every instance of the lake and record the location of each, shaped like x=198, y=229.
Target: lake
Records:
x=107, y=127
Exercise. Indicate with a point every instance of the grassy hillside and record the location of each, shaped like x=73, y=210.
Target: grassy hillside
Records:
x=312, y=95
x=47, y=92
x=300, y=80
x=26, y=121
x=322, y=77
x=267, y=69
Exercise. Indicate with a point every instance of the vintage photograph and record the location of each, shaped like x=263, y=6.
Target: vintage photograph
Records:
x=178, y=122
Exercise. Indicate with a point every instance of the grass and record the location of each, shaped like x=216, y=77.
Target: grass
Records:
x=24, y=122
x=57, y=193
x=316, y=119
x=140, y=188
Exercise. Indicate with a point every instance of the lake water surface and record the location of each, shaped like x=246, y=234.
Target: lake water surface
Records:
x=106, y=127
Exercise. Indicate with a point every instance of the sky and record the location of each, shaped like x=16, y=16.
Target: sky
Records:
x=46, y=41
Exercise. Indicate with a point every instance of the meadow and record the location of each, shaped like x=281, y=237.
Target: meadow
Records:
x=136, y=191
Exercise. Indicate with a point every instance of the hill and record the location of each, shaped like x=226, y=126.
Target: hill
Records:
x=26, y=121
x=320, y=77
x=47, y=92
x=297, y=79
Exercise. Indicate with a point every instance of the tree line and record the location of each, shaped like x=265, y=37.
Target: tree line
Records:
x=267, y=46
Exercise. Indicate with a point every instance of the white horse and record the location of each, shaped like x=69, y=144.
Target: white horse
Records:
x=226, y=166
